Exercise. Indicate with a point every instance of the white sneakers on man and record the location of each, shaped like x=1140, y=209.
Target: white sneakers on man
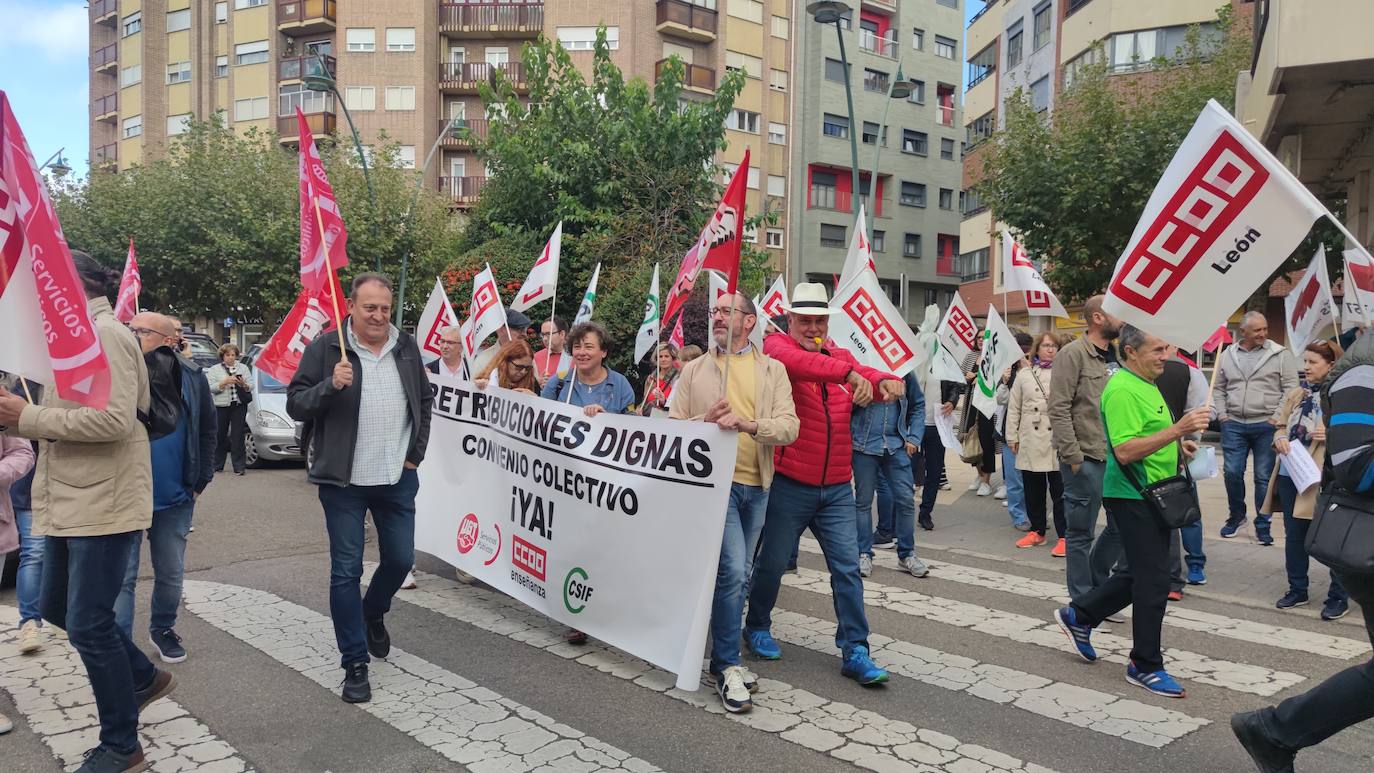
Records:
x=734, y=694
x=30, y=637
x=984, y=489
x=1001, y=492
x=975, y=484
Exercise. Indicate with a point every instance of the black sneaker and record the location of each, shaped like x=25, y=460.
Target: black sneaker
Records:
x=926, y=523
x=884, y=540
x=378, y=640
x=163, y=683
x=356, y=687
x=168, y=645
x=1268, y=756
x=1291, y=599
x=103, y=759
x=1335, y=609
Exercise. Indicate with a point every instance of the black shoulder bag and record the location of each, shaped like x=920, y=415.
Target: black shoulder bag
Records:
x=1173, y=500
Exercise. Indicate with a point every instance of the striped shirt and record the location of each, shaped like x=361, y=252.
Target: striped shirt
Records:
x=1350, y=433
x=379, y=454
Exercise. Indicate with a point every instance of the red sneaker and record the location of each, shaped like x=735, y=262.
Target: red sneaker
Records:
x=1058, y=550
x=1175, y=595
x=1031, y=540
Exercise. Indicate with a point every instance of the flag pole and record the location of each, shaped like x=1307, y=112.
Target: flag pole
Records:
x=332, y=279
x=1216, y=368
x=27, y=394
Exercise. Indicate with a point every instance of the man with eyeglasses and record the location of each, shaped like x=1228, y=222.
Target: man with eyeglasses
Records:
x=757, y=402
x=554, y=333
x=450, y=362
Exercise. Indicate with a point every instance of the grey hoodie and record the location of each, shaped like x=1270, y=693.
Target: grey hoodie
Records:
x=1253, y=397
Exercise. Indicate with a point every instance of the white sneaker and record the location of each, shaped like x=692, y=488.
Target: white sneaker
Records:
x=5, y=724
x=751, y=679
x=1005, y=503
x=975, y=484
x=944, y=486
x=733, y=694
x=984, y=489
x=464, y=577
x=1001, y=492
x=30, y=637
x=865, y=565
x=409, y=583
x=915, y=566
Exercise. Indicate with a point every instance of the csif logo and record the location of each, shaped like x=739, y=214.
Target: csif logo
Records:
x=577, y=590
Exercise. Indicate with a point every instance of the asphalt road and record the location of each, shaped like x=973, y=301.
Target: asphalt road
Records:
x=981, y=681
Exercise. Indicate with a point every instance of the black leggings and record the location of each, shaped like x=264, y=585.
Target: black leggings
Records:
x=231, y=419
x=1035, y=484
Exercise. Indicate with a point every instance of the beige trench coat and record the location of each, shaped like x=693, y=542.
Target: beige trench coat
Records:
x=1028, y=421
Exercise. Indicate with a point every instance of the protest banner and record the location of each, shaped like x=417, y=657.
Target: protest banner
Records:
x=1358, y=303
x=1000, y=351
x=130, y=287
x=1019, y=273
x=570, y=515
x=542, y=281
x=308, y=319
x=1309, y=309
x=438, y=314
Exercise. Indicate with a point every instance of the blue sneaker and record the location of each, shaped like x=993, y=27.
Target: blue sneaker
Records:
x=860, y=667
x=1196, y=576
x=1158, y=682
x=1232, y=526
x=762, y=645
x=1078, y=633
x=1335, y=609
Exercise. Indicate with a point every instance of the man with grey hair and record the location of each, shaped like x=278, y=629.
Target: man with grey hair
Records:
x=450, y=362
x=1254, y=375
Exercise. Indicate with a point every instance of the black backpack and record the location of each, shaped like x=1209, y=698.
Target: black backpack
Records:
x=164, y=388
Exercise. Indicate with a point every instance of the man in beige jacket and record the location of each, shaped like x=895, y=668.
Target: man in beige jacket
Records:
x=92, y=496
x=757, y=402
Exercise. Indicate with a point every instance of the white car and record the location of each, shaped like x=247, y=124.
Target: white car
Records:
x=271, y=434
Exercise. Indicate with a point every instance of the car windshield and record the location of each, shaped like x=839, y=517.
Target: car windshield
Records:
x=268, y=385
x=200, y=346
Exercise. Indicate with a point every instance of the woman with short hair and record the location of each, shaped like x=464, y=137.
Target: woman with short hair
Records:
x=590, y=384
x=231, y=388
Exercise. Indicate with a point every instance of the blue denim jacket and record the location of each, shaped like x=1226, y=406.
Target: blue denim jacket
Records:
x=865, y=424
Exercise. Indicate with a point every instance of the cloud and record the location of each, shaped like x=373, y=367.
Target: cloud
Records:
x=55, y=31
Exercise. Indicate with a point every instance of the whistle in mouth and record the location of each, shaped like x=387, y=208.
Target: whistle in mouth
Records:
x=819, y=341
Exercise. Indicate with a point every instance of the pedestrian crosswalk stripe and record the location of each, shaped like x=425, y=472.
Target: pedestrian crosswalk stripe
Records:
x=865, y=738
x=457, y=718
x=1240, y=677
x=51, y=689
x=1338, y=647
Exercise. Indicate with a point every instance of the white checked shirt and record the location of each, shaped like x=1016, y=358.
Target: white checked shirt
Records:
x=379, y=454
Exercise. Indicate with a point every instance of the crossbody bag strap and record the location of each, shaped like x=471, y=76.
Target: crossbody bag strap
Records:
x=1127, y=469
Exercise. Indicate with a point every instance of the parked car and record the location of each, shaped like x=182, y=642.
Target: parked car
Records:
x=204, y=350
x=271, y=434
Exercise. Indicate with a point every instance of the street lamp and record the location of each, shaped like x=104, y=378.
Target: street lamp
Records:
x=898, y=88
x=57, y=163
x=453, y=125
x=834, y=12
x=323, y=81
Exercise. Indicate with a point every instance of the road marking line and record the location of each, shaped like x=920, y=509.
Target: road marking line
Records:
x=51, y=690
x=1240, y=677
x=457, y=718
x=1177, y=616
x=864, y=738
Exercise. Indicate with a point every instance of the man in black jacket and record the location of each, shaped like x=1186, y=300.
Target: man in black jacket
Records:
x=369, y=411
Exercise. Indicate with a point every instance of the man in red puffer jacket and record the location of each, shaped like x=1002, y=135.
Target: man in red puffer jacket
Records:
x=811, y=486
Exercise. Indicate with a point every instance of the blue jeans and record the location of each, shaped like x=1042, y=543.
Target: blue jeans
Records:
x=743, y=523
x=81, y=578
x=393, y=515
x=1295, y=543
x=1238, y=441
x=887, y=525
x=1016, y=490
x=167, y=549
x=1087, y=563
x=29, y=581
x=829, y=511
x=934, y=452
x=896, y=469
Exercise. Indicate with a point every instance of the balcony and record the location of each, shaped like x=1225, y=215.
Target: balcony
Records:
x=464, y=77
x=105, y=12
x=464, y=191
x=305, y=17
x=508, y=19
x=106, y=108
x=105, y=155
x=104, y=59
x=884, y=47
x=700, y=79
x=467, y=134
x=321, y=123
x=947, y=265
x=297, y=67
x=682, y=19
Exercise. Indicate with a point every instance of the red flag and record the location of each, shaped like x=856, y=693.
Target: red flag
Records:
x=130, y=287
x=675, y=337
x=717, y=247
x=48, y=335
x=311, y=317
x=1221, y=336
x=319, y=212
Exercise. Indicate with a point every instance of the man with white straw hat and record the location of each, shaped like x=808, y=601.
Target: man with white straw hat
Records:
x=811, y=485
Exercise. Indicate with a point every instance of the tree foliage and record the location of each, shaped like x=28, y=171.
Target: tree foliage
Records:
x=215, y=222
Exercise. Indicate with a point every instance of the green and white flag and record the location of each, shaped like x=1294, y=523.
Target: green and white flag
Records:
x=584, y=314
x=651, y=326
x=1000, y=351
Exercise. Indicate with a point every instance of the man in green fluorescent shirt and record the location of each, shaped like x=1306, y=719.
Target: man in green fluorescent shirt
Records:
x=1143, y=434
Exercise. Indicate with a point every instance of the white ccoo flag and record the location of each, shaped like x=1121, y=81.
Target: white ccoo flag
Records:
x=1020, y=273
x=650, y=328
x=542, y=282
x=1309, y=309
x=487, y=313
x=860, y=255
x=1359, y=288
x=1000, y=351
x=958, y=335
x=868, y=325
x=438, y=314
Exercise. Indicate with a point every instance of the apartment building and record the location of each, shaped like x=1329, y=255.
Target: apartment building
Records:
x=915, y=232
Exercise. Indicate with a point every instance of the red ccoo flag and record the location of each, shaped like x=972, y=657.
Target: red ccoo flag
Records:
x=1221, y=336
x=323, y=237
x=49, y=336
x=717, y=248
x=130, y=287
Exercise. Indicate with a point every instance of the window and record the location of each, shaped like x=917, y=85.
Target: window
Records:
x=751, y=180
x=913, y=194
x=221, y=13
x=250, y=53
x=834, y=125
x=742, y=121
x=361, y=98
x=250, y=109
x=948, y=3
x=584, y=38
x=1040, y=94
x=911, y=246
x=914, y=142
x=772, y=237
x=400, y=38
x=777, y=80
x=749, y=10
x=221, y=66
x=944, y=100
x=946, y=198
x=400, y=97
x=133, y=24
x=918, y=93
x=178, y=124
x=751, y=65
x=981, y=128
x=918, y=39
x=983, y=64
x=497, y=55
x=750, y=234
x=241, y=4
x=974, y=265
x=834, y=70
x=130, y=75
x=360, y=39
x=779, y=31
x=777, y=185
x=945, y=48
x=972, y=202
x=947, y=148
x=133, y=126
x=832, y=235
x=879, y=243
x=294, y=96
x=777, y=133
x=178, y=72
x=875, y=80
x=1076, y=65
x=1014, y=45
x=823, y=191
x=1040, y=34
x=1135, y=50
x=179, y=20
x=405, y=156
